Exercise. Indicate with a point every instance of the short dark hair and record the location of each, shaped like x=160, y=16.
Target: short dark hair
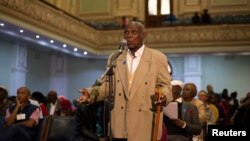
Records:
x=38, y=96
x=3, y=92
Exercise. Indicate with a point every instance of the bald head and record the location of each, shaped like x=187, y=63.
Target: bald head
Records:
x=210, y=88
x=23, y=94
x=138, y=24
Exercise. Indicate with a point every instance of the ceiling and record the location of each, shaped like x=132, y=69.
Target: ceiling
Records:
x=28, y=38
x=72, y=37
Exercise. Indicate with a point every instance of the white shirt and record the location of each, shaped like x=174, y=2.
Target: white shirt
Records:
x=133, y=61
x=52, y=108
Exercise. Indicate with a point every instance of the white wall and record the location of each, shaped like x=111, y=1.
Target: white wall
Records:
x=231, y=72
x=5, y=63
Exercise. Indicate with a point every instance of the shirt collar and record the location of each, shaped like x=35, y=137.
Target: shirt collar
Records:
x=138, y=53
x=179, y=100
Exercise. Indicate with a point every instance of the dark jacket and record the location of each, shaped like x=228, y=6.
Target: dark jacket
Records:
x=87, y=120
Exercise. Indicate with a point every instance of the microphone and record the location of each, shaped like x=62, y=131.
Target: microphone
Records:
x=122, y=45
x=119, y=52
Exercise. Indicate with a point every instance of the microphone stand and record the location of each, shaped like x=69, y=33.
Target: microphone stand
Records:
x=109, y=102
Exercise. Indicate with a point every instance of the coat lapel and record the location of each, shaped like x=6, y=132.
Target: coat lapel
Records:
x=122, y=71
x=140, y=73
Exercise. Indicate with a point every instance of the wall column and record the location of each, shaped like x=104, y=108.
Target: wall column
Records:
x=192, y=70
x=58, y=74
x=18, y=69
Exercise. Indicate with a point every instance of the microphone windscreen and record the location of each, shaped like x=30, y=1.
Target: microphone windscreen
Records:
x=123, y=42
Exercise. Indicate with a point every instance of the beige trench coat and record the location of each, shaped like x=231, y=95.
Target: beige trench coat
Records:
x=132, y=116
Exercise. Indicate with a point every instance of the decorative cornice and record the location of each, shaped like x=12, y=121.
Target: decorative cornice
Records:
x=186, y=39
x=55, y=23
x=52, y=20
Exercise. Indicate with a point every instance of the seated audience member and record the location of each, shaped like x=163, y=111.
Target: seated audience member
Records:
x=87, y=121
x=53, y=104
x=188, y=94
x=224, y=109
x=187, y=124
x=4, y=101
x=12, y=98
x=242, y=115
x=210, y=117
x=171, y=18
x=38, y=96
x=212, y=113
x=205, y=17
x=35, y=102
x=196, y=19
x=214, y=97
x=125, y=21
x=21, y=119
x=67, y=109
x=233, y=103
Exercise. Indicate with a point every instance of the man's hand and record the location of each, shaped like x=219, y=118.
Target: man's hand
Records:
x=102, y=139
x=18, y=104
x=85, y=97
x=161, y=101
x=178, y=122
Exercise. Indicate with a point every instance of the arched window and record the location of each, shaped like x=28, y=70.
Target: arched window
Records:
x=157, y=11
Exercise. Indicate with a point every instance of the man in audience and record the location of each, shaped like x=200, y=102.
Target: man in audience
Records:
x=53, y=106
x=21, y=118
x=243, y=114
x=205, y=17
x=196, y=19
x=4, y=101
x=215, y=97
x=87, y=122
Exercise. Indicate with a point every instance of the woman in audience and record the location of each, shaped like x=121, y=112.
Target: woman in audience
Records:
x=187, y=123
x=210, y=115
x=188, y=95
x=67, y=109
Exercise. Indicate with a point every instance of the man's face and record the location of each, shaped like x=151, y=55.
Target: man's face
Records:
x=202, y=96
x=52, y=97
x=176, y=91
x=134, y=35
x=22, y=95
